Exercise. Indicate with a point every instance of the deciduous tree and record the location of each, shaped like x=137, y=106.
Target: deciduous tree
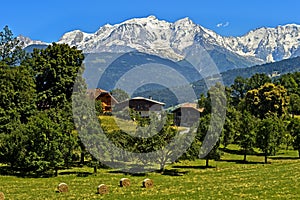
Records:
x=119, y=94
x=257, y=80
x=46, y=142
x=247, y=133
x=294, y=129
x=17, y=96
x=268, y=99
x=269, y=135
x=56, y=69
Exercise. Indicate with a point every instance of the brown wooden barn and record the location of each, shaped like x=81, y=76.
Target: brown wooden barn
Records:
x=187, y=114
x=107, y=100
x=141, y=105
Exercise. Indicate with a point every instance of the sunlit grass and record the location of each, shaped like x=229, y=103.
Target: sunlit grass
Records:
x=297, y=116
x=112, y=123
x=225, y=179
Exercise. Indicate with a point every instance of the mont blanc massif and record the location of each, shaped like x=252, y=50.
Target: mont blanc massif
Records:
x=170, y=40
x=166, y=43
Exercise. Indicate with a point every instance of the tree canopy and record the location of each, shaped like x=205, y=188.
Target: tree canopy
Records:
x=55, y=69
x=11, y=51
x=267, y=99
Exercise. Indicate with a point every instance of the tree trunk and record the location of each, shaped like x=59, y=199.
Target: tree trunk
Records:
x=162, y=167
x=266, y=158
x=245, y=156
x=95, y=169
x=56, y=172
x=67, y=163
x=82, y=158
x=12, y=164
x=207, y=163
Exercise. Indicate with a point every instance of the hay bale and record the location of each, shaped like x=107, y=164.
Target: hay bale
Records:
x=2, y=196
x=124, y=182
x=148, y=183
x=102, y=189
x=63, y=187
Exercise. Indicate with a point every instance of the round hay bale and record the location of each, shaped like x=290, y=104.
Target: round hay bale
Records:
x=2, y=196
x=63, y=187
x=102, y=189
x=124, y=182
x=148, y=183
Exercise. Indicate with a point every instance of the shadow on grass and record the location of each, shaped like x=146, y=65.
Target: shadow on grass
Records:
x=21, y=173
x=131, y=173
x=240, y=152
x=171, y=172
x=284, y=158
x=241, y=161
x=193, y=167
x=166, y=172
x=79, y=174
x=8, y=171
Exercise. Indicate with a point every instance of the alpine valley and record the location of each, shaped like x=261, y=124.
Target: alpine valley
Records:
x=143, y=40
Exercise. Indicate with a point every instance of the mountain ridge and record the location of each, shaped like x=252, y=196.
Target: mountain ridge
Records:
x=171, y=40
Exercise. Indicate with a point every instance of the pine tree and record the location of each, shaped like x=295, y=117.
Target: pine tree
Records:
x=11, y=51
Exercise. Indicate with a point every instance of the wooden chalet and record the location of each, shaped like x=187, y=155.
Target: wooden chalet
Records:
x=187, y=114
x=141, y=105
x=107, y=100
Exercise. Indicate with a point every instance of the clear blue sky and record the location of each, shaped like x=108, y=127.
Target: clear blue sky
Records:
x=49, y=20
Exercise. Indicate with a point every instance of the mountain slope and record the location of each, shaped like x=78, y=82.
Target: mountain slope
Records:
x=156, y=37
x=171, y=40
x=282, y=67
x=268, y=44
x=174, y=40
x=26, y=41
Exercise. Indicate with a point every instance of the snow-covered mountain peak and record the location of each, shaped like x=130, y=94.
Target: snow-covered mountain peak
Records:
x=142, y=20
x=186, y=22
x=290, y=26
x=107, y=26
x=26, y=41
x=74, y=37
x=170, y=40
x=151, y=22
x=148, y=18
x=268, y=44
x=152, y=17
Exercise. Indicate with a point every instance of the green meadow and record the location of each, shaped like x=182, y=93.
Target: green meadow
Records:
x=228, y=178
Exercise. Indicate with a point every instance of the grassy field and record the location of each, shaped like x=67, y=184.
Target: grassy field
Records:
x=226, y=179
x=111, y=123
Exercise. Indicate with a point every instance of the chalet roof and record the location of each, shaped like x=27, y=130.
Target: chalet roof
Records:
x=94, y=93
x=189, y=105
x=146, y=99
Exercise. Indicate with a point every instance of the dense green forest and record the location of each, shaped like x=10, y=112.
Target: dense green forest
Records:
x=37, y=130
